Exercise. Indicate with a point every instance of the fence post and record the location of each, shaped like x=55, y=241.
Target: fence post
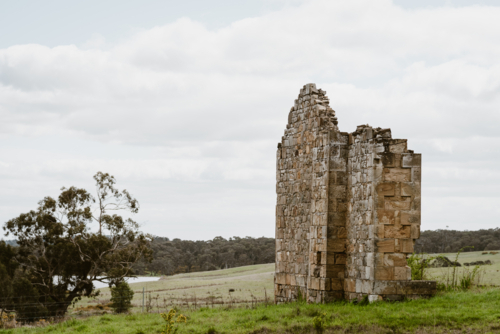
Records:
x=142, y=299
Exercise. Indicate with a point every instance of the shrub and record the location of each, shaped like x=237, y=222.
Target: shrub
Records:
x=319, y=322
x=418, y=264
x=171, y=320
x=121, y=297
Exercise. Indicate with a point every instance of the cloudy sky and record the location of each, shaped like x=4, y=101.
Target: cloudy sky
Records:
x=184, y=101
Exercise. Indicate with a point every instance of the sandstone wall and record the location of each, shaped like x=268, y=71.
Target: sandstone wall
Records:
x=302, y=180
x=348, y=209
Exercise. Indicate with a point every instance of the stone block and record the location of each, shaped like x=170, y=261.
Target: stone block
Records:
x=379, y=231
x=384, y=273
x=416, y=174
x=336, y=284
x=385, y=287
x=404, y=204
x=342, y=233
x=280, y=278
x=397, y=174
x=350, y=285
x=407, y=189
x=415, y=231
x=406, y=245
x=417, y=288
x=340, y=258
x=367, y=286
x=397, y=232
x=388, y=159
x=337, y=245
x=385, y=216
x=408, y=218
x=335, y=271
x=385, y=189
x=314, y=283
x=385, y=246
x=401, y=273
x=394, y=260
x=339, y=191
x=324, y=284
x=411, y=160
x=374, y=298
x=398, y=148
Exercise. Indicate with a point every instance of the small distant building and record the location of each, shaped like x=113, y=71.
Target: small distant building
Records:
x=348, y=209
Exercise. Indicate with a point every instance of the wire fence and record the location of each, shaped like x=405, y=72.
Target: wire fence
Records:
x=37, y=310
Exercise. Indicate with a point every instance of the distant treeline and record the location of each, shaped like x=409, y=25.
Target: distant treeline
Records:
x=184, y=256
x=449, y=241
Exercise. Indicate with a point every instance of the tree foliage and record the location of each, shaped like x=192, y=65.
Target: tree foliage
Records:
x=179, y=256
x=121, y=297
x=451, y=241
x=60, y=255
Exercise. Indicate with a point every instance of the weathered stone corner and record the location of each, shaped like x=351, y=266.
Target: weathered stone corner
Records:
x=348, y=209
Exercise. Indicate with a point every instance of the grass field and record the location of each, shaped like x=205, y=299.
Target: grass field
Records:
x=474, y=311
x=206, y=299
x=251, y=284
x=488, y=274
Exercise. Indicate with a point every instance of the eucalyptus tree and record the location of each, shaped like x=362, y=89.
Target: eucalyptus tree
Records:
x=76, y=239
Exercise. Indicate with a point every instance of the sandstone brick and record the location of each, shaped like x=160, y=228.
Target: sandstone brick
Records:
x=337, y=246
x=335, y=271
x=415, y=231
x=385, y=189
x=385, y=287
x=324, y=284
x=337, y=284
x=398, y=205
x=397, y=174
x=398, y=232
x=407, y=189
x=350, y=285
x=416, y=175
x=340, y=258
x=380, y=231
x=397, y=148
x=385, y=216
x=384, y=273
x=409, y=218
x=407, y=245
x=412, y=160
x=385, y=246
x=394, y=260
x=401, y=273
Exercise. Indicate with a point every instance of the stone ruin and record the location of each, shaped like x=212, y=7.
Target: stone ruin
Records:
x=348, y=209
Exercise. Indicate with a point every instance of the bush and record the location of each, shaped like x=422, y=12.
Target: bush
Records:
x=121, y=297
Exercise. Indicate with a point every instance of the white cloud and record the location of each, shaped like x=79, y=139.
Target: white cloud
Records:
x=180, y=107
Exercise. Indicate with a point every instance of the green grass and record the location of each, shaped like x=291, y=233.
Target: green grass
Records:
x=489, y=274
x=474, y=311
x=208, y=288
x=251, y=284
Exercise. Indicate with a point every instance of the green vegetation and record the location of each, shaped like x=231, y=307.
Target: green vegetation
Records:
x=450, y=241
x=121, y=297
x=185, y=256
x=59, y=257
x=484, y=275
x=474, y=311
x=171, y=321
x=251, y=285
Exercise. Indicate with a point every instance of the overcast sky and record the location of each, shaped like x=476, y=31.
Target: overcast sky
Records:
x=185, y=101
